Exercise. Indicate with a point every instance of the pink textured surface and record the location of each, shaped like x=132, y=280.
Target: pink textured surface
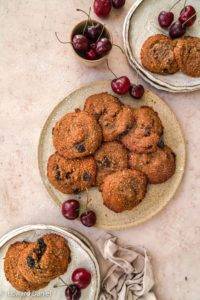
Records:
x=36, y=72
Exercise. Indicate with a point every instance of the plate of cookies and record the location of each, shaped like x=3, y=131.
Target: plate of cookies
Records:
x=48, y=262
x=165, y=50
x=127, y=156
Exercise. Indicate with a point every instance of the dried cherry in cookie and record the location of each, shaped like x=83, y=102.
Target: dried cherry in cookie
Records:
x=159, y=166
x=123, y=190
x=75, y=175
x=157, y=55
x=110, y=157
x=146, y=132
x=77, y=135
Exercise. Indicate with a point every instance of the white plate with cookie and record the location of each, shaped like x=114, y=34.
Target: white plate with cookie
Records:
x=157, y=196
x=81, y=254
x=141, y=23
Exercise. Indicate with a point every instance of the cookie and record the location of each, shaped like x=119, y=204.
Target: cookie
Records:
x=110, y=157
x=12, y=272
x=187, y=53
x=123, y=190
x=45, y=259
x=157, y=55
x=159, y=166
x=77, y=135
x=114, y=118
x=71, y=175
x=146, y=132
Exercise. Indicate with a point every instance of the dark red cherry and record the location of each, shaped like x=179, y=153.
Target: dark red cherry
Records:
x=70, y=209
x=81, y=277
x=91, y=54
x=188, y=15
x=73, y=292
x=102, y=8
x=136, y=91
x=93, y=32
x=176, y=30
x=80, y=42
x=118, y=3
x=88, y=218
x=103, y=46
x=165, y=19
x=121, y=85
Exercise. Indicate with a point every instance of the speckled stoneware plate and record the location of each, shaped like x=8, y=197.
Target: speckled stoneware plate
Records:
x=140, y=23
x=157, y=196
x=82, y=255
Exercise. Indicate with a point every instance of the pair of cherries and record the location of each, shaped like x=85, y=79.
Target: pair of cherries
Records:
x=102, y=8
x=122, y=85
x=81, y=279
x=71, y=211
x=177, y=29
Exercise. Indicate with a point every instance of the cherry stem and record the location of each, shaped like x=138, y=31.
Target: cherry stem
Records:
x=174, y=5
x=111, y=70
x=188, y=19
x=185, y=3
x=56, y=34
x=64, y=283
x=118, y=47
x=86, y=24
x=101, y=32
x=88, y=199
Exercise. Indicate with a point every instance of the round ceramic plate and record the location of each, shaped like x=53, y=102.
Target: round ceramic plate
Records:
x=140, y=23
x=157, y=196
x=82, y=255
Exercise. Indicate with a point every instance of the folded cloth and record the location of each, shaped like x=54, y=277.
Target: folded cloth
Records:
x=130, y=276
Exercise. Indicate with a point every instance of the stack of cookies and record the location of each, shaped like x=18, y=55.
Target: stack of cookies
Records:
x=112, y=146
x=161, y=55
x=30, y=266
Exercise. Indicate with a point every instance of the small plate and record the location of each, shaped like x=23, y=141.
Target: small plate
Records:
x=82, y=255
x=157, y=196
x=140, y=23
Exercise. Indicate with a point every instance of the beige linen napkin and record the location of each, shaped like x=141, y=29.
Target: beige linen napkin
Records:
x=130, y=276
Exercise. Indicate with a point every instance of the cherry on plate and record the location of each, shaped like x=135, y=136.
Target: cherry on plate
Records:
x=103, y=46
x=165, y=19
x=136, y=91
x=118, y=3
x=121, y=85
x=81, y=277
x=70, y=209
x=80, y=42
x=88, y=218
x=73, y=292
x=188, y=15
x=93, y=32
x=102, y=8
x=177, y=29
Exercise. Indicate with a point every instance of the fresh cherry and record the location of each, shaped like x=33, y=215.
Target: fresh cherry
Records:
x=177, y=29
x=73, y=292
x=70, y=209
x=102, y=8
x=81, y=277
x=80, y=42
x=188, y=15
x=91, y=54
x=88, y=218
x=118, y=3
x=136, y=91
x=93, y=32
x=165, y=19
x=121, y=85
x=103, y=46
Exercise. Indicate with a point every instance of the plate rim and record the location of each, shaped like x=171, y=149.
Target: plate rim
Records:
x=148, y=76
x=5, y=238
x=143, y=219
